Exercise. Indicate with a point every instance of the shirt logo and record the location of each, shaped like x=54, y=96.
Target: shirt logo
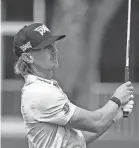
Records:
x=42, y=29
x=26, y=46
x=66, y=108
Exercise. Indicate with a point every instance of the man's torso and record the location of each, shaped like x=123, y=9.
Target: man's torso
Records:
x=46, y=111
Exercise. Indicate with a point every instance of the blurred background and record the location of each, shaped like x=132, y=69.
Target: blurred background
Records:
x=92, y=60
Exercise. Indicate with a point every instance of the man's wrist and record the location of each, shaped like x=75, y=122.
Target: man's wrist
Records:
x=117, y=101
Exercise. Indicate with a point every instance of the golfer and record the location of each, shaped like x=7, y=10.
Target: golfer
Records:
x=51, y=120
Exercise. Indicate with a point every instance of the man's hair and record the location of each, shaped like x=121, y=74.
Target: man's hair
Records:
x=23, y=68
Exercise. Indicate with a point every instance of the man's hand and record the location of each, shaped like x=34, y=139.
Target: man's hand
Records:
x=128, y=107
x=124, y=92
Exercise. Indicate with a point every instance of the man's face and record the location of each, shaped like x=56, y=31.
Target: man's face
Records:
x=46, y=58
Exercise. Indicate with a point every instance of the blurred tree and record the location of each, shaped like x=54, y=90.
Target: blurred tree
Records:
x=85, y=23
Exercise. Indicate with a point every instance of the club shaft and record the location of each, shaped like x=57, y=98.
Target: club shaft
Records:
x=125, y=114
x=128, y=33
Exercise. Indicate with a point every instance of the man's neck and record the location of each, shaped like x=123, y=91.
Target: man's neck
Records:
x=47, y=74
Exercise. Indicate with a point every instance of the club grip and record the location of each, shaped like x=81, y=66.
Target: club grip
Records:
x=125, y=114
x=126, y=74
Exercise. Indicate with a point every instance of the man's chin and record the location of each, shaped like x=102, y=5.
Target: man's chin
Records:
x=55, y=66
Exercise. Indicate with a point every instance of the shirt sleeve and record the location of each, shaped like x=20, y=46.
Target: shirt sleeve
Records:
x=54, y=107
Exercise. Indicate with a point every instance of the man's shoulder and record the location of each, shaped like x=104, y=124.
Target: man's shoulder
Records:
x=42, y=89
x=34, y=81
x=38, y=86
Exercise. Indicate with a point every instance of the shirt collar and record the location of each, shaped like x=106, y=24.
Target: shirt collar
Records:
x=32, y=78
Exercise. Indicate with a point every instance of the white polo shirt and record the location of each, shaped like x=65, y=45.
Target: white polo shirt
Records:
x=46, y=111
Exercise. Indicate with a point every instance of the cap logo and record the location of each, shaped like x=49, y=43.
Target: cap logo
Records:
x=42, y=29
x=26, y=46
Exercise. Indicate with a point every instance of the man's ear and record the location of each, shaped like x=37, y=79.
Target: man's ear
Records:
x=27, y=58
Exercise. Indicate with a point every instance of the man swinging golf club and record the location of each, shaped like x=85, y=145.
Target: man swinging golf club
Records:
x=51, y=120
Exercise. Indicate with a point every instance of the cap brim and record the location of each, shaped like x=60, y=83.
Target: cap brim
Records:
x=49, y=41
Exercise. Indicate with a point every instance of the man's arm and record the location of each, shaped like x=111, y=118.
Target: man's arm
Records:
x=96, y=121
x=100, y=120
x=90, y=137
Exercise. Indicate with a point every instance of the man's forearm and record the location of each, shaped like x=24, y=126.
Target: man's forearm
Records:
x=94, y=121
x=90, y=137
x=107, y=113
x=100, y=120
